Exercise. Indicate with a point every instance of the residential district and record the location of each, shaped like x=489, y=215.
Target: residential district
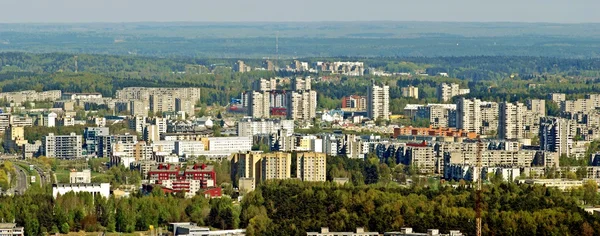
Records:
x=263, y=135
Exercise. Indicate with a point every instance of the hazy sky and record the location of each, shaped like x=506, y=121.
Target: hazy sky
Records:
x=563, y=11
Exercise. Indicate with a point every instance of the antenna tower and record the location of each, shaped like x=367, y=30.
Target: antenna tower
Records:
x=75, y=64
x=478, y=193
x=276, y=48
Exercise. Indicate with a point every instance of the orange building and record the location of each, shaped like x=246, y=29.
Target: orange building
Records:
x=439, y=132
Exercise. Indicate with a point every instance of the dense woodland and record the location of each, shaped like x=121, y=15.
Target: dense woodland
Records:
x=272, y=209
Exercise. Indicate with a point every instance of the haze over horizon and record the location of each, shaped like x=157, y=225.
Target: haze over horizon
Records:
x=75, y=11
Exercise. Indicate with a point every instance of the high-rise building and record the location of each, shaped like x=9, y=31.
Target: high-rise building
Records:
x=558, y=97
x=311, y=166
x=185, y=105
x=537, y=107
x=468, y=115
x=138, y=108
x=378, y=102
x=489, y=118
x=410, y=91
x=276, y=165
x=511, y=123
x=240, y=66
x=161, y=102
x=106, y=144
x=62, y=146
x=247, y=166
x=258, y=104
x=151, y=133
x=301, y=84
x=265, y=84
x=445, y=91
x=89, y=136
x=161, y=123
x=269, y=65
x=556, y=135
x=302, y=105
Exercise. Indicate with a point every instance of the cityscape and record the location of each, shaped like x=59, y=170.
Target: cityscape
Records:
x=316, y=127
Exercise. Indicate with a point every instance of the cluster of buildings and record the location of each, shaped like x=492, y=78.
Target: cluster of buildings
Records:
x=265, y=100
x=446, y=91
x=505, y=120
x=337, y=67
x=253, y=168
x=405, y=231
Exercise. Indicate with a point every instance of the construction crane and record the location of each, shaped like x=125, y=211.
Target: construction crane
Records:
x=478, y=192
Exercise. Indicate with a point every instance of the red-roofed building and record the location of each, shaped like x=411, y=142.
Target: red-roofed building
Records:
x=190, y=180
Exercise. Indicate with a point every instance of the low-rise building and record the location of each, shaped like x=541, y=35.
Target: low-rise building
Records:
x=81, y=177
x=325, y=232
x=11, y=229
x=96, y=189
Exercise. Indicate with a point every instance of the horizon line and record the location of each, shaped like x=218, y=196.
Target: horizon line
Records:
x=293, y=22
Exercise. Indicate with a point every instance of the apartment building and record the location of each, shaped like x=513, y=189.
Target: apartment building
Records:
x=106, y=143
x=31, y=96
x=90, y=135
x=264, y=84
x=468, y=115
x=249, y=127
x=298, y=84
x=302, y=105
x=62, y=146
x=138, y=108
x=445, y=92
x=311, y=166
x=354, y=103
x=378, y=102
x=410, y=91
x=557, y=97
x=511, y=120
x=185, y=105
x=259, y=104
x=489, y=118
x=240, y=66
x=276, y=165
x=556, y=135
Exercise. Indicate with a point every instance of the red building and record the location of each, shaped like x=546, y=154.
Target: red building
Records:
x=191, y=180
x=354, y=102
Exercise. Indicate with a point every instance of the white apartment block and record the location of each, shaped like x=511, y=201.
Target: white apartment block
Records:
x=511, y=120
x=229, y=144
x=445, y=91
x=62, y=146
x=302, y=105
x=378, y=102
x=248, y=127
x=301, y=84
x=556, y=135
x=468, y=115
x=259, y=104
x=190, y=148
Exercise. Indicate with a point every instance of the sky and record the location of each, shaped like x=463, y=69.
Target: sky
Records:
x=78, y=11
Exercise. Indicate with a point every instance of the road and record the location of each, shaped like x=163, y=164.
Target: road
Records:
x=22, y=182
x=43, y=176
